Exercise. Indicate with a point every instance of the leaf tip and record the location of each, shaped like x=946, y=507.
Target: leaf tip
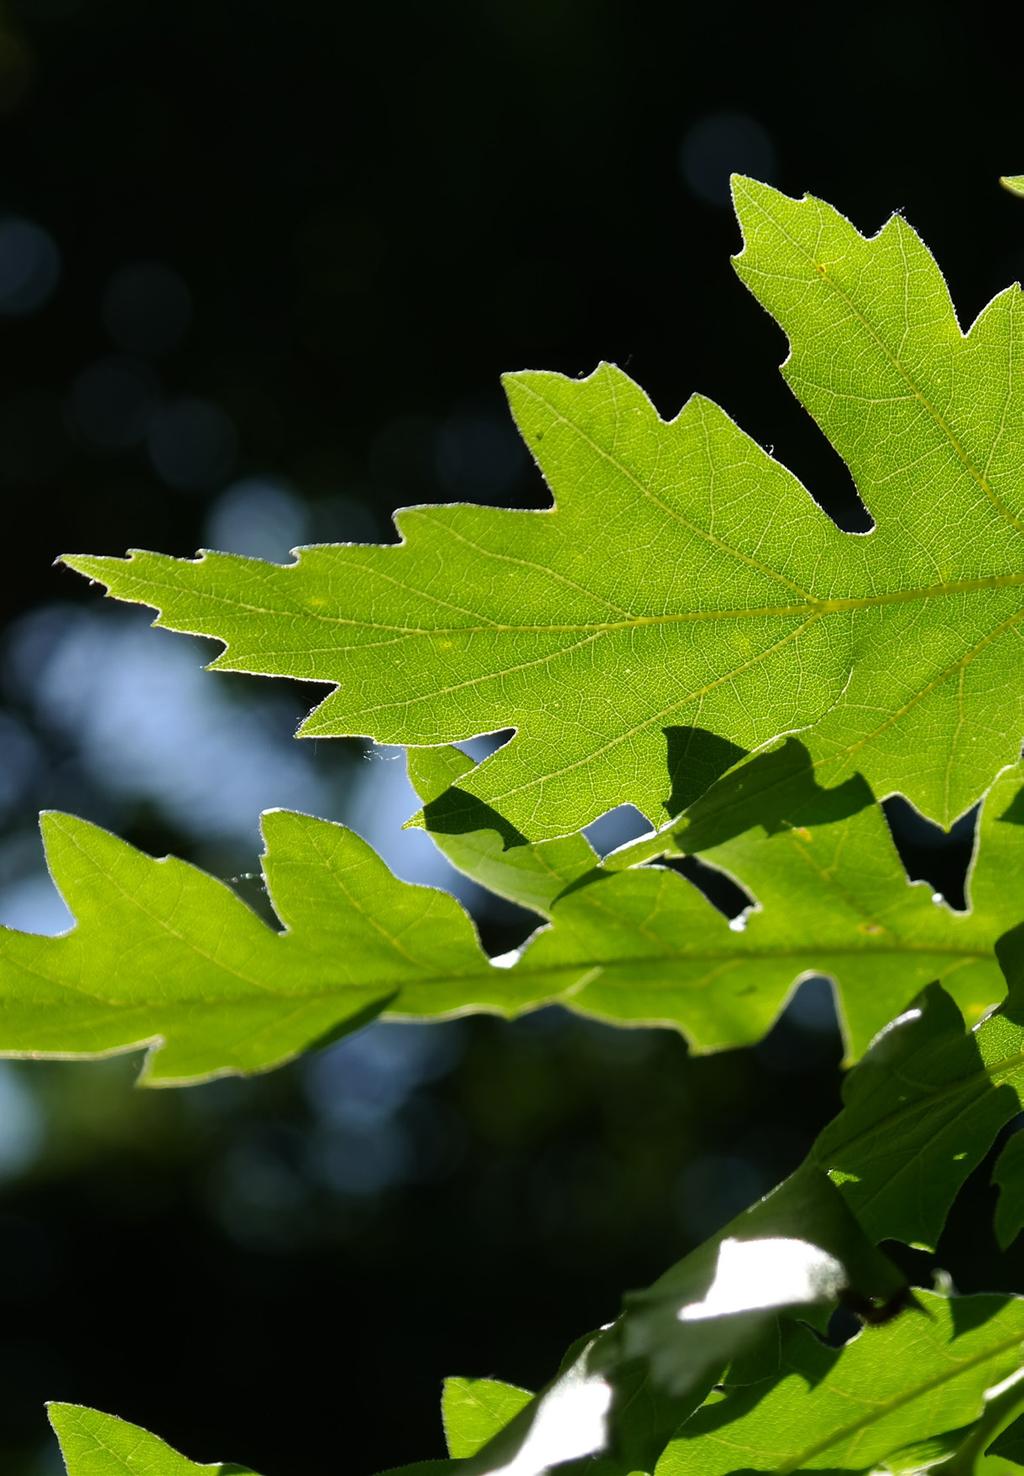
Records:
x=97, y=568
x=54, y=822
x=277, y=821
x=1012, y=183
x=59, y=1412
x=748, y=193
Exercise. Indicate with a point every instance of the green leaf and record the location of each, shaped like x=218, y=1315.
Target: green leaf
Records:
x=482, y=845
x=798, y=1248
x=566, y=1421
x=1009, y=1176
x=165, y=956
x=831, y=897
x=686, y=585
x=475, y=1410
x=847, y=1409
x=95, y=1444
x=1012, y=182
x=619, y=1396
x=921, y=1111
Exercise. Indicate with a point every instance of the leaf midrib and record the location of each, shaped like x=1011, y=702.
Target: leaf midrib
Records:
x=812, y=605
x=487, y=970
x=886, y=1407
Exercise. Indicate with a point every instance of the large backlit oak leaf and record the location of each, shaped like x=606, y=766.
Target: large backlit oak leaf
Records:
x=684, y=578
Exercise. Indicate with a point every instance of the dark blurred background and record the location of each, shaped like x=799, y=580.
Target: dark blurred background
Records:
x=261, y=266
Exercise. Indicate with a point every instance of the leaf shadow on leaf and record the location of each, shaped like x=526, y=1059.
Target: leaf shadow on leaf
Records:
x=454, y=812
x=776, y=790
x=966, y=1315
x=696, y=759
x=1014, y=812
x=771, y=1471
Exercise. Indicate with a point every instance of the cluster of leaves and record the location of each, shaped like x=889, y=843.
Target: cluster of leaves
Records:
x=686, y=631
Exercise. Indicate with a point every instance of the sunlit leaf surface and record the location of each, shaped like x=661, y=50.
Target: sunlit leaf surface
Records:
x=95, y=1444
x=685, y=580
x=475, y=1410
x=164, y=955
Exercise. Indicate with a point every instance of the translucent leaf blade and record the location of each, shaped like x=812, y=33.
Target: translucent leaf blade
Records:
x=95, y=1444
x=684, y=580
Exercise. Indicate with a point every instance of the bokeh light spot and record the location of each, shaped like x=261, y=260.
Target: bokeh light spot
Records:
x=721, y=144
x=479, y=456
x=262, y=517
x=29, y=267
x=146, y=308
x=112, y=402
x=192, y=445
x=21, y=1128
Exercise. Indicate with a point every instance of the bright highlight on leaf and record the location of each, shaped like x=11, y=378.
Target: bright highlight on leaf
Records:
x=685, y=580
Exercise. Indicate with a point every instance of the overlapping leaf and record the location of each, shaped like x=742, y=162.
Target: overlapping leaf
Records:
x=620, y=1395
x=626, y=1397
x=1009, y=1176
x=164, y=955
x=921, y=1109
x=831, y=894
x=684, y=602
x=685, y=581
x=847, y=1410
